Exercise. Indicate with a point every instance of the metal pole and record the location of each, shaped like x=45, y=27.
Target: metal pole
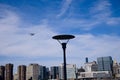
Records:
x=64, y=56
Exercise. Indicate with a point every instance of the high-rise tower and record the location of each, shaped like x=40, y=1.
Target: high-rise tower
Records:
x=2, y=72
x=71, y=70
x=105, y=63
x=22, y=72
x=33, y=72
x=9, y=71
x=54, y=72
x=44, y=73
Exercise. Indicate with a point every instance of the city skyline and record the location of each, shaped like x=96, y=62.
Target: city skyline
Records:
x=15, y=67
x=95, y=25
x=97, y=69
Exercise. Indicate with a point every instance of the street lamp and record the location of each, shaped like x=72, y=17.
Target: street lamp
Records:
x=65, y=38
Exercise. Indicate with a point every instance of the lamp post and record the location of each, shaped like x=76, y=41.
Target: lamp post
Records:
x=65, y=38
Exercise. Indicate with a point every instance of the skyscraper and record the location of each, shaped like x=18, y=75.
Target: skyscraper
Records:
x=54, y=72
x=105, y=63
x=71, y=70
x=22, y=72
x=44, y=73
x=33, y=72
x=2, y=72
x=9, y=71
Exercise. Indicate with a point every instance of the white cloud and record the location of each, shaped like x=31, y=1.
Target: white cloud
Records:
x=9, y=21
x=102, y=12
x=94, y=46
x=16, y=41
x=113, y=21
x=101, y=9
x=82, y=24
x=22, y=44
x=65, y=7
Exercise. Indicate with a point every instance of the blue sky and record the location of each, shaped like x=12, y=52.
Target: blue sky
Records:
x=95, y=23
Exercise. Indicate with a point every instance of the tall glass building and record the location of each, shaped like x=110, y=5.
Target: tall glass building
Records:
x=54, y=72
x=105, y=63
x=44, y=73
x=71, y=70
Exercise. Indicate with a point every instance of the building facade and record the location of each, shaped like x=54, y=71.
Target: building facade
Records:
x=95, y=75
x=54, y=72
x=2, y=72
x=91, y=66
x=44, y=73
x=22, y=72
x=105, y=63
x=91, y=72
x=117, y=76
x=116, y=70
x=71, y=71
x=33, y=72
x=9, y=71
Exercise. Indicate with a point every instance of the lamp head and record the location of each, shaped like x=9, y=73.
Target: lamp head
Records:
x=61, y=38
